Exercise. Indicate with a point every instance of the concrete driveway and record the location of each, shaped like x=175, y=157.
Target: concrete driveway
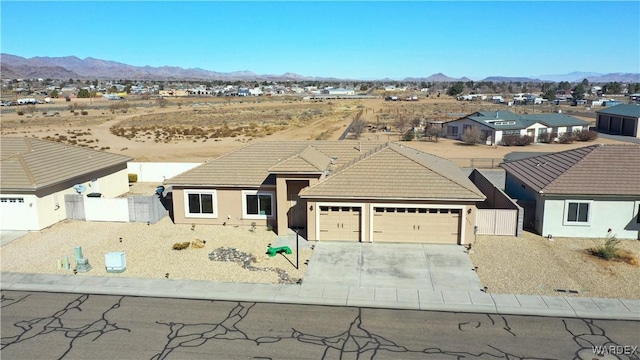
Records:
x=7, y=236
x=384, y=265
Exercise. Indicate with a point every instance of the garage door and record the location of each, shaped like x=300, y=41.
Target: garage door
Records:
x=340, y=223
x=415, y=225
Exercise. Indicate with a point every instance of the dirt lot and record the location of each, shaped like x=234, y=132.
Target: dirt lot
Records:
x=536, y=266
x=199, y=129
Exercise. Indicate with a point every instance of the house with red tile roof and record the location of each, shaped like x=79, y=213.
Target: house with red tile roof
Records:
x=579, y=193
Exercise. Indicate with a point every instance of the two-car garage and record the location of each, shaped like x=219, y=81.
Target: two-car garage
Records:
x=437, y=225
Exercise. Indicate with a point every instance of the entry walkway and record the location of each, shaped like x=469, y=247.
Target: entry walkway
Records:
x=317, y=294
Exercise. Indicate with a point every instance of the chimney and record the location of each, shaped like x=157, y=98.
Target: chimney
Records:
x=496, y=114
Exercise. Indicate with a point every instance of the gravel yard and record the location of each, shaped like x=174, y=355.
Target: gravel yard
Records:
x=533, y=265
x=149, y=251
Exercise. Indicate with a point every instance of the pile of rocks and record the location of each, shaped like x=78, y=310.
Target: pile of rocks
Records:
x=245, y=260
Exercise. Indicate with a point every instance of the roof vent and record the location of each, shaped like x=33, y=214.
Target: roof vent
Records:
x=497, y=115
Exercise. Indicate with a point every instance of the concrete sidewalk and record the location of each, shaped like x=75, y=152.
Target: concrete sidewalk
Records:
x=386, y=298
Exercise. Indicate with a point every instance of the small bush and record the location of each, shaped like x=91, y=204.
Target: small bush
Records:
x=585, y=135
x=133, y=178
x=20, y=112
x=609, y=249
x=517, y=140
x=84, y=112
x=471, y=136
x=408, y=136
x=181, y=246
x=566, y=138
x=547, y=137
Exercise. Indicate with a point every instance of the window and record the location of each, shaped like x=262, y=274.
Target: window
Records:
x=577, y=212
x=258, y=205
x=510, y=132
x=12, y=200
x=201, y=203
x=452, y=130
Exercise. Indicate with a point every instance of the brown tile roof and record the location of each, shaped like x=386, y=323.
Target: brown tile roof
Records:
x=591, y=170
x=28, y=164
x=309, y=160
x=396, y=172
x=250, y=166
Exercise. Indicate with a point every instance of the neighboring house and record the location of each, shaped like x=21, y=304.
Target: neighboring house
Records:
x=37, y=174
x=623, y=119
x=581, y=192
x=339, y=91
x=332, y=190
x=494, y=125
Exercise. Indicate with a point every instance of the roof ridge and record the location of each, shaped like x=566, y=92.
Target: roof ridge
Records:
x=446, y=175
x=23, y=163
x=363, y=156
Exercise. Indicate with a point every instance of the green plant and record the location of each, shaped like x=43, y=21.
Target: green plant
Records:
x=608, y=249
x=181, y=246
x=133, y=178
x=269, y=228
x=408, y=136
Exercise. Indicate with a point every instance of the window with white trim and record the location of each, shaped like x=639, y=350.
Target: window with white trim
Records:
x=12, y=200
x=201, y=203
x=257, y=204
x=577, y=212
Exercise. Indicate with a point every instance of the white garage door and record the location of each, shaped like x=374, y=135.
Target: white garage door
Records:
x=340, y=223
x=416, y=225
x=16, y=213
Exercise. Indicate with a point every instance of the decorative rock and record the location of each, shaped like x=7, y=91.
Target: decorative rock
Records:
x=245, y=260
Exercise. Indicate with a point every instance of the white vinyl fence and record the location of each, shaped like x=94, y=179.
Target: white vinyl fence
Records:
x=101, y=209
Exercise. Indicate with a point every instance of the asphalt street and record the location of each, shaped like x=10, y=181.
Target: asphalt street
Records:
x=42, y=325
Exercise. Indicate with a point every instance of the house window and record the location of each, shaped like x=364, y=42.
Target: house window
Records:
x=577, y=212
x=510, y=132
x=466, y=127
x=452, y=130
x=12, y=200
x=201, y=203
x=257, y=205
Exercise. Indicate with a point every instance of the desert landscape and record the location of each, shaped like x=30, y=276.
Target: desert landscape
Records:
x=197, y=129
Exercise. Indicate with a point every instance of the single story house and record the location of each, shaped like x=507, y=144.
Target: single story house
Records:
x=494, y=125
x=579, y=193
x=332, y=190
x=37, y=174
x=623, y=119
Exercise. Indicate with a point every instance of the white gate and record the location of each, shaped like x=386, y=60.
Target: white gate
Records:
x=101, y=209
x=497, y=222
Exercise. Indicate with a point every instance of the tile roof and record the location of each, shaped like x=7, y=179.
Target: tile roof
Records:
x=28, y=164
x=517, y=122
x=629, y=110
x=309, y=160
x=591, y=170
x=396, y=172
x=250, y=166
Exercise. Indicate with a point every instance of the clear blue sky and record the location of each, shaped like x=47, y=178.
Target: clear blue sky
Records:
x=360, y=40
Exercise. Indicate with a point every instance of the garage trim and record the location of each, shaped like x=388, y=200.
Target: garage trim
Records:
x=360, y=205
x=463, y=214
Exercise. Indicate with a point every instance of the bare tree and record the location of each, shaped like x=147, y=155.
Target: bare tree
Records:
x=471, y=136
x=401, y=124
x=434, y=132
x=357, y=127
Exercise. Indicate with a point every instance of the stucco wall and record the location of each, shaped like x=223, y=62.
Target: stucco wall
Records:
x=618, y=215
x=229, y=208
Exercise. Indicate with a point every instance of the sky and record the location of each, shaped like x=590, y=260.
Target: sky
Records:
x=353, y=40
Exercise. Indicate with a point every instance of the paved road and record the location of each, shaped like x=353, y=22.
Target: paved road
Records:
x=73, y=326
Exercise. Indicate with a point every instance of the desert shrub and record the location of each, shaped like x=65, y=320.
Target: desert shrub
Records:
x=435, y=132
x=608, y=249
x=471, y=136
x=547, y=137
x=20, y=112
x=133, y=178
x=84, y=112
x=516, y=140
x=181, y=246
x=585, y=135
x=408, y=136
x=566, y=138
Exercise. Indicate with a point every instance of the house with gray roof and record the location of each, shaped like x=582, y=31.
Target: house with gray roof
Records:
x=494, y=125
x=332, y=190
x=579, y=193
x=37, y=174
x=623, y=119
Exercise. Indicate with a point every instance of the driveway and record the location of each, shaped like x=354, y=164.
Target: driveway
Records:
x=384, y=265
x=7, y=236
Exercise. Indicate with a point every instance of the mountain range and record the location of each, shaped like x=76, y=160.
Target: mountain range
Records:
x=16, y=67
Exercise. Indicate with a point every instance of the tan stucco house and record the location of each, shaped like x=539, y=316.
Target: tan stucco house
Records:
x=35, y=176
x=332, y=190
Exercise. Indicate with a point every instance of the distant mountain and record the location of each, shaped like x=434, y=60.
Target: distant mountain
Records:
x=510, y=79
x=67, y=67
